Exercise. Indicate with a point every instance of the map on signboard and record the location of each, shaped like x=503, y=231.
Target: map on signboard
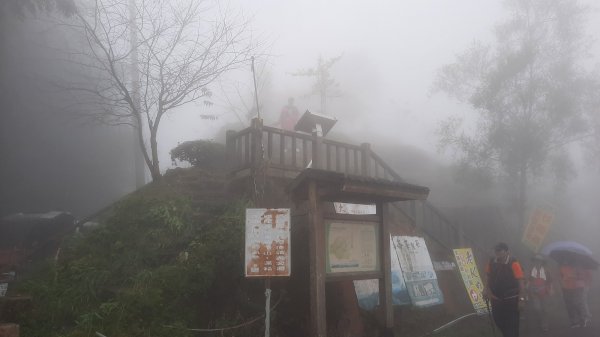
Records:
x=352, y=247
x=267, y=242
x=417, y=268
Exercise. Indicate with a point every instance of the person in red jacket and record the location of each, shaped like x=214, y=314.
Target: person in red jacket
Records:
x=574, y=281
x=289, y=116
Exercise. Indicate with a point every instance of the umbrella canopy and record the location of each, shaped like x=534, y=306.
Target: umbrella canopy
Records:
x=571, y=253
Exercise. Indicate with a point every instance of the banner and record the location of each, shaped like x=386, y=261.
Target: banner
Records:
x=267, y=242
x=419, y=275
x=470, y=275
x=367, y=291
x=537, y=228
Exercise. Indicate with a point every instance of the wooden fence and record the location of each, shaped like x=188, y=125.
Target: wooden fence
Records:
x=292, y=152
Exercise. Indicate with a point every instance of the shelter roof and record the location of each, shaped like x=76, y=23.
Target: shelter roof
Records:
x=341, y=187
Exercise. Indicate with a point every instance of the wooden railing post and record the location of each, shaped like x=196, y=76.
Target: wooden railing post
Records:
x=365, y=159
x=230, y=148
x=317, y=158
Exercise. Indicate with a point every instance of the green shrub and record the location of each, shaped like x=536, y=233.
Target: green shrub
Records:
x=150, y=267
x=201, y=153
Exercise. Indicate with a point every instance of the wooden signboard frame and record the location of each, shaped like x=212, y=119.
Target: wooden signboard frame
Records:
x=319, y=186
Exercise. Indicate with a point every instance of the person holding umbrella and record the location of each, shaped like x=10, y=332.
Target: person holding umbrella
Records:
x=504, y=285
x=576, y=263
x=575, y=280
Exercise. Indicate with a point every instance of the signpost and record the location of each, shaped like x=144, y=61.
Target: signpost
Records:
x=537, y=228
x=472, y=280
x=267, y=248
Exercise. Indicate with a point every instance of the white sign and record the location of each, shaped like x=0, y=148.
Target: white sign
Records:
x=418, y=271
x=267, y=242
x=355, y=209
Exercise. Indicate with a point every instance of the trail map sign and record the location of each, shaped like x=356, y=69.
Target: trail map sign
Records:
x=420, y=278
x=267, y=242
x=537, y=228
x=352, y=247
x=470, y=275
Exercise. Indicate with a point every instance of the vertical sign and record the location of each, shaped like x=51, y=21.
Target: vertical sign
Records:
x=420, y=278
x=472, y=280
x=267, y=242
x=537, y=228
x=367, y=291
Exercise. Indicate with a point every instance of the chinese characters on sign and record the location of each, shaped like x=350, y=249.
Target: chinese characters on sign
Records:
x=356, y=209
x=420, y=278
x=537, y=228
x=470, y=276
x=267, y=242
x=352, y=247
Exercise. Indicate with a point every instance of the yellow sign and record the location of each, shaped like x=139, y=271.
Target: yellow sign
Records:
x=537, y=228
x=470, y=275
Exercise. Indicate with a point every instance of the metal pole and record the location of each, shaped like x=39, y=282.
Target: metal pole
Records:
x=255, y=89
x=267, y=307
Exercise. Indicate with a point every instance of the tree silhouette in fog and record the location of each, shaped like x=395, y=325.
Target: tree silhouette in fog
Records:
x=530, y=93
x=178, y=47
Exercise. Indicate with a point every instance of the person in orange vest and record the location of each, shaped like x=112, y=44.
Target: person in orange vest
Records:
x=505, y=287
x=574, y=281
x=539, y=286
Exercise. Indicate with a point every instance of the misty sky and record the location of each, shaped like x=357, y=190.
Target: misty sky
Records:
x=391, y=51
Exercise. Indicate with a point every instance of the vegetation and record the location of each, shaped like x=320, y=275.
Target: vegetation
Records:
x=153, y=268
x=201, y=153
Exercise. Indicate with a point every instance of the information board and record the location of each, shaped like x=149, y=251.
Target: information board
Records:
x=267, y=242
x=417, y=268
x=352, y=247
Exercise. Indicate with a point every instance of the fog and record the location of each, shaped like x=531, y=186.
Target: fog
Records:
x=390, y=52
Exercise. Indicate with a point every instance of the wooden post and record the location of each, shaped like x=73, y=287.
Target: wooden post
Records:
x=317, y=158
x=365, y=159
x=230, y=148
x=385, y=283
x=316, y=244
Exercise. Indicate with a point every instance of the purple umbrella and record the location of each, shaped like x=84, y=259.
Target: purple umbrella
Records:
x=571, y=253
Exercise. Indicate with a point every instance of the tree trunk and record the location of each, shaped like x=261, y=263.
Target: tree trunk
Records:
x=155, y=168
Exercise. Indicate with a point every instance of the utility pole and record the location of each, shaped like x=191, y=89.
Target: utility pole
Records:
x=139, y=165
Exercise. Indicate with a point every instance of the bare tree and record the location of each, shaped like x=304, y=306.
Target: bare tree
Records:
x=182, y=47
x=325, y=85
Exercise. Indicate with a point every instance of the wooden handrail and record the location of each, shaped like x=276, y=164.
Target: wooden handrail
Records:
x=292, y=151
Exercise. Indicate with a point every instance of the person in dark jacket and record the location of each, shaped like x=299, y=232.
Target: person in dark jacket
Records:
x=505, y=288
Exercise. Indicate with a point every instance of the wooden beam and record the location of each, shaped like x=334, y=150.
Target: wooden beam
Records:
x=316, y=245
x=385, y=283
